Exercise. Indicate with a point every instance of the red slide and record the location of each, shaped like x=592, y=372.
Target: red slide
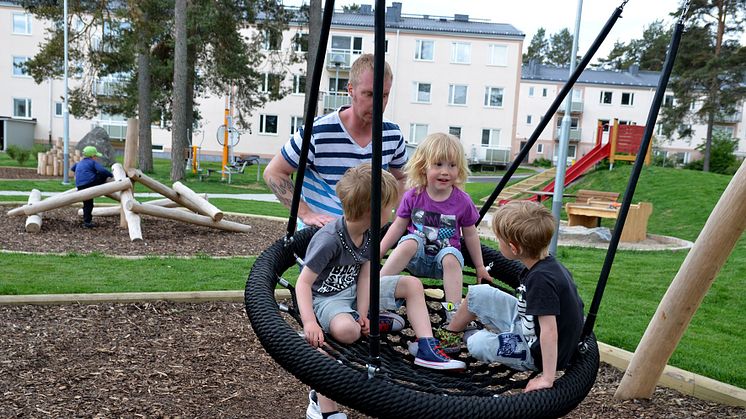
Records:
x=573, y=172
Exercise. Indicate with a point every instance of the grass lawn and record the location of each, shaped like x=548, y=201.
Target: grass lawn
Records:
x=713, y=345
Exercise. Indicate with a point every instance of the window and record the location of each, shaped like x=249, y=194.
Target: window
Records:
x=604, y=124
x=385, y=46
x=573, y=123
x=115, y=125
x=417, y=132
x=421, y=92
x=493, y=97
x=271, y=83
x=18, y=69
x=21, y=24
x=625, y=122
x=461, y=53
x=347, y=44
x=605, y=98
x=338, y=85
x=490, y=137
x=424, y=50
x=300, y=42
x=628, y=99
x=668, y=101
x=498, y=55
x=268, y=124
x=22, y=108
x=272, y=40
x=531, y=91
x=572, y=149
x=296, y=123
x=299, y=84
x=659, y=129
x=544, y=92
x=529, y=119
x=455, y=131
x=540, y=149
x=457, y=94
x=58, y=108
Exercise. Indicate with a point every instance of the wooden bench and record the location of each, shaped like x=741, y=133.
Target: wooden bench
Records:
x=584, y=195
x=589, y=215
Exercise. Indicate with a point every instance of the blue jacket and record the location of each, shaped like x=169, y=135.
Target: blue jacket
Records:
x=89, y=171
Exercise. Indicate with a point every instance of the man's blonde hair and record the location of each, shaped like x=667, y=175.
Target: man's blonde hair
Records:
x=437, y=147
x=366, y=62
x=527, y=225
x=354, y=191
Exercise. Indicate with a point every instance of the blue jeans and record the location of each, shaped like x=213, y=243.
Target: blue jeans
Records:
x=430, y=266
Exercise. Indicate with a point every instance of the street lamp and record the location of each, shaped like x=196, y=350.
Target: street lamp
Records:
x=337, y=61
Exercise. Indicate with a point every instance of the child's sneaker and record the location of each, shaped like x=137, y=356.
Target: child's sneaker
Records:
x=430, y=355
x=389, y=322
x=449, y=341
x=450, y=309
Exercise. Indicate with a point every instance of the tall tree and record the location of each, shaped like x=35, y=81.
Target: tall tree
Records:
x=314, y=35
x=560, y=48
x=179, y=129
x=538, y=48
x=708, y=78
x=649, y=52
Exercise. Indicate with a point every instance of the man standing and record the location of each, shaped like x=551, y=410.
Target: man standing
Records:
x=340, y=140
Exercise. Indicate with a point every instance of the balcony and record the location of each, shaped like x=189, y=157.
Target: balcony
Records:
x=575, y=107
x=731, y=118
x=343, y=57
x=335, y=100
x=109, y=86
x=574, y=134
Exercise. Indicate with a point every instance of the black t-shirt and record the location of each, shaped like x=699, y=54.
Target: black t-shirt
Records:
x=549, y=290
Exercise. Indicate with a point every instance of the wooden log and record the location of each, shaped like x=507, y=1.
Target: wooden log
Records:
x=138, y=176
x=33, y=222
x=716, y=241
x=188, y=217
x=128, y=218
x=130, y=144
x=65, y=199
x=113, y=210
x=205, y=207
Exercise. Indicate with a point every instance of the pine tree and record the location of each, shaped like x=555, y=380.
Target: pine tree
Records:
x=560, y=48
x=537, y=49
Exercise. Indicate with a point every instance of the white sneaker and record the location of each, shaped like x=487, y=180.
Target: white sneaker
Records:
x=313, y=411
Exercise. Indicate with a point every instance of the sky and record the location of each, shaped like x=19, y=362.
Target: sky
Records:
x=553, y=15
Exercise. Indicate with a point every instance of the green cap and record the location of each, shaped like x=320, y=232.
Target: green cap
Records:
x=90, y=151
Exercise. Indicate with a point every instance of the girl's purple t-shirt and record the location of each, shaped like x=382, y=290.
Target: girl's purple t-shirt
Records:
x=438, y=223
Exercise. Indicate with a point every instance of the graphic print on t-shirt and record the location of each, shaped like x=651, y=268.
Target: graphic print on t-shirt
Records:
x=436, y=229
x=340, y=277
x=527, y=320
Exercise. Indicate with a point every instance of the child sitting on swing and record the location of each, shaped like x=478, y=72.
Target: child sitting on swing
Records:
x=436, y=213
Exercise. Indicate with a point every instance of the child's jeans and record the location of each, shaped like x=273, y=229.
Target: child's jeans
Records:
x=430, y=266
x=502, y=340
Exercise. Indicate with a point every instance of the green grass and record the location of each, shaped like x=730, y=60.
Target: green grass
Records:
x=712, y=346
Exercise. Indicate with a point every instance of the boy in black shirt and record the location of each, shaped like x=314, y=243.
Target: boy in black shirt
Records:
x=540, y=328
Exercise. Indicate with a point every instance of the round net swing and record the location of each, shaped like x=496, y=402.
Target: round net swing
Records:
x=382, y=380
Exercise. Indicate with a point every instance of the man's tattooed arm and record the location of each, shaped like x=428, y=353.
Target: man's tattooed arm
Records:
x=283, y=190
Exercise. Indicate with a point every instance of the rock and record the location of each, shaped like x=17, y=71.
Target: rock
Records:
x=99, y=138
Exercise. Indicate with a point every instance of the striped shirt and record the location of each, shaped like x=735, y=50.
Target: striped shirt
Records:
x=331, y=153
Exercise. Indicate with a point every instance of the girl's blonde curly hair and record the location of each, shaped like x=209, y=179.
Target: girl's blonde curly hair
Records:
x=437, y=147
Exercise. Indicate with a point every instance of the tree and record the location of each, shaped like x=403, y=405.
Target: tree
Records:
x=560, y=49
x=179, y=131
x=708, y=77
x=649, y=52
x=722, y=157
x=314, y=35
x=351, y=8
x=538, y=48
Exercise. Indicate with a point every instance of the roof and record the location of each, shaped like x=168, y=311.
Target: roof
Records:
x=631, y=77
x=431, y=24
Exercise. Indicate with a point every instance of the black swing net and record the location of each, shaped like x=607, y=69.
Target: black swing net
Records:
x=376, y=375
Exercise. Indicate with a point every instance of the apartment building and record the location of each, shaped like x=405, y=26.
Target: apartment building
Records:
x=602, y=96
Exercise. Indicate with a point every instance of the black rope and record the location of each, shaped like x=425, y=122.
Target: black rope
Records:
x=318, y=68
x=634, y=176
x=551, y=111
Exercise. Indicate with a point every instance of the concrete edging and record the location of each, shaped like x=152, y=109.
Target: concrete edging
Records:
x=675, y=378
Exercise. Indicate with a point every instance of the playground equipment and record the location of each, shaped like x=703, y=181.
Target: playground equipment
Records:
x=50, y=163
x=120, y=189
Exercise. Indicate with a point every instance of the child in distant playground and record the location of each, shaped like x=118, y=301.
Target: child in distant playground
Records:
x=333, y=286
x=538, y=330
x=436, y=213
x=88, y=173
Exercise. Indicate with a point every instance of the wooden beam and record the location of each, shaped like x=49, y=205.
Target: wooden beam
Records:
x=155, y=186
x=204, y=206
x=129, y=218
x=33, y=222
x=187, y=217
x=68, y=198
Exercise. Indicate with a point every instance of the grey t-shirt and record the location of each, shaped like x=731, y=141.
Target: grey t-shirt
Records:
x=332, y=254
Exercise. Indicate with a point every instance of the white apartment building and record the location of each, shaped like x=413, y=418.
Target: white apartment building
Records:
x=452, y=74
x=602, y=96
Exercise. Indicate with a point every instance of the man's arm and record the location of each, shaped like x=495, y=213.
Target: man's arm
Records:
x=277, y=177
x=401, y=179
x=548, y=342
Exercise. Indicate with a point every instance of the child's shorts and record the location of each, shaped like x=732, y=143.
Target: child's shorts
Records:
x=430, y=266
x=502, y=340
x=345, y=301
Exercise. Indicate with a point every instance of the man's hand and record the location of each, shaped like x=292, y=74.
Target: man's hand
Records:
x=538, y=383
x=311, y=218
x=314, y=335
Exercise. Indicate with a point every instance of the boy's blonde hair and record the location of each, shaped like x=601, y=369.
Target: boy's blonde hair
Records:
x=354, y=188
x=437, y=147
x=366, y=62
x=527, y=225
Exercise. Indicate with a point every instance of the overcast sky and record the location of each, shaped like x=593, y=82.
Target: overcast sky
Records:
x=553, y=15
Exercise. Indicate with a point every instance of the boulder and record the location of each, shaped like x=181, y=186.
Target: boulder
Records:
x=99, y=138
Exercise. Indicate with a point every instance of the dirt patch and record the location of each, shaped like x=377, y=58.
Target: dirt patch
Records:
x=183, y=360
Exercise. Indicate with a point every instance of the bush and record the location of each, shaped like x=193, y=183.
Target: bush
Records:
x=542, y=162
x=18, y=154
x=38, y=148
x=722, y=159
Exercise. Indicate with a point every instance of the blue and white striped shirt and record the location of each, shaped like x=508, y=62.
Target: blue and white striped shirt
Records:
x=332, y=151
